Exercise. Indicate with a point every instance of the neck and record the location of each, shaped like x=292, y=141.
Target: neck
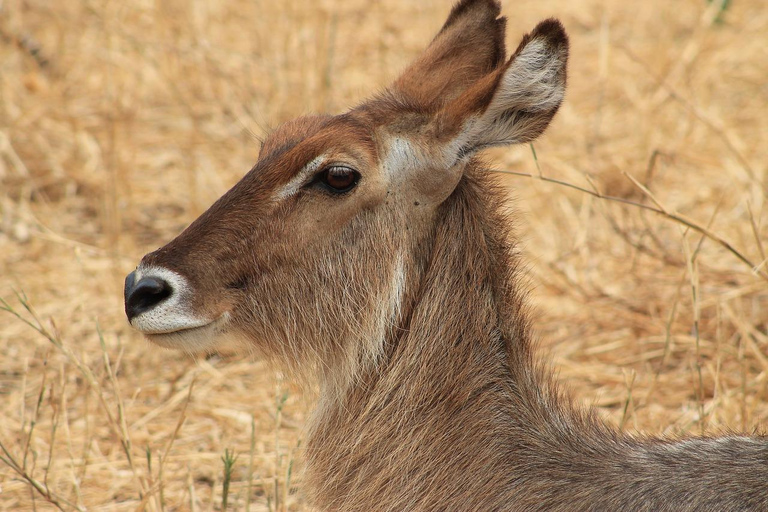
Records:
x=456, y=413
x=440, y=396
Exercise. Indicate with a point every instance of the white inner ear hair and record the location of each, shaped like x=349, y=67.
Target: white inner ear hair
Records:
x=533, y=84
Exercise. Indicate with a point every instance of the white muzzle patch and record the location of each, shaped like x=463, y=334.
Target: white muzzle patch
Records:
x=172, y=314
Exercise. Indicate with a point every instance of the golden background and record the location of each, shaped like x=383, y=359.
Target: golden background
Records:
x=121, y=121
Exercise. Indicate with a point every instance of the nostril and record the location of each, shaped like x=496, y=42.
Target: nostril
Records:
x=145, y=294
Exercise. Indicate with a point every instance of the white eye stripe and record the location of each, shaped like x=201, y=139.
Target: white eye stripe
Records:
x=293, y=186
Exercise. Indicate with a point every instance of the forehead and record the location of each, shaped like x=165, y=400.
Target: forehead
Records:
x=288, y=134
x=294, y=144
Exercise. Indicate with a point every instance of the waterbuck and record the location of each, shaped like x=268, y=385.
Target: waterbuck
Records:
x=370, y=252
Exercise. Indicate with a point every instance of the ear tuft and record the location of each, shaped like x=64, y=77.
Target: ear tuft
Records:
x=551, y=31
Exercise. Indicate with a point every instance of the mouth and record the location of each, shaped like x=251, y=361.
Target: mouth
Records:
x=197, y=338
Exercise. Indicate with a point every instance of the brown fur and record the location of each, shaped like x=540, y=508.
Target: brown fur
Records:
x=401, y=297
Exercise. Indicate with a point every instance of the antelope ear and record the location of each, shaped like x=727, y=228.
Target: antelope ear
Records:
x=469, y=46
x=513, y=104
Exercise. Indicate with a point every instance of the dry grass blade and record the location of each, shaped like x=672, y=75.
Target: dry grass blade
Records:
x=722, y=134
x=678, y=218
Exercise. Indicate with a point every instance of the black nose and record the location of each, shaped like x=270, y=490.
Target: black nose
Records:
x=144, y=294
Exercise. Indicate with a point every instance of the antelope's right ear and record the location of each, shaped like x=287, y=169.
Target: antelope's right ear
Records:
x=514, y=103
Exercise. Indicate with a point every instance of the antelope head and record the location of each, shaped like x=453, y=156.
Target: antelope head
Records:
x=311, y=257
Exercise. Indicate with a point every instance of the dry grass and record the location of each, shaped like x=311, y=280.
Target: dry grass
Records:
x=120, y=122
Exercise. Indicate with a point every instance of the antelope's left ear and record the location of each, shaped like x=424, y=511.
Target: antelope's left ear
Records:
x=514, y=103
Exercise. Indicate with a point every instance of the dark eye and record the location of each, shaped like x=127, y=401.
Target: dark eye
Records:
x=338, y=178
